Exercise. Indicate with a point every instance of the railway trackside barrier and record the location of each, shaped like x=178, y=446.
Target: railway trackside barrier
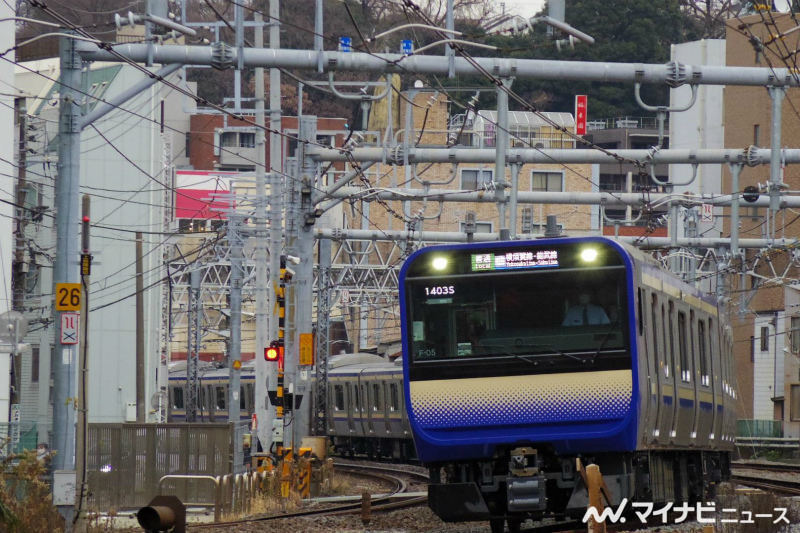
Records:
x=214, y=480
x=126, y=461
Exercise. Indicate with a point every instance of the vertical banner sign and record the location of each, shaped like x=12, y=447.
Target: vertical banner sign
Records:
x=306, y=348
x=69, y=328
x=707, y=213
x=580, y=114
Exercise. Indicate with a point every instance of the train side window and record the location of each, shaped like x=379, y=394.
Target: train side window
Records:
x=338, y=398
x=177, y=397
x=394, y=397
x=683, y=349
x=702, y=344
x=376, y=397
x=220, y=396
x=356, y=398
x=654, y=330
x=242, y=399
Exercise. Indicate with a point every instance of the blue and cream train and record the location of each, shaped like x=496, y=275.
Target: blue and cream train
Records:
x=521, y=357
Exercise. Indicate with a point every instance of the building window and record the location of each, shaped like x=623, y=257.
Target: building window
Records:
x=247, y=140
x=764, y=338
x=35, y=364
x=756, y=134
x=546, y=181
x=474, y=179
x=794, y=411
x=229, y=139
x=795, y=332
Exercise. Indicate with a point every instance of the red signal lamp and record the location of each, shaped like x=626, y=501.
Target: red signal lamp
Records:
x=273, y=352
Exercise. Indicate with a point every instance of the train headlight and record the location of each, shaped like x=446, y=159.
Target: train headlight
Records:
x=439, y=263
x=589, y=255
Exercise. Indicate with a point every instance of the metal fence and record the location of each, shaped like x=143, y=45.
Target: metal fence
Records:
x=759, y=428
x=16, y=437
x=126, y=461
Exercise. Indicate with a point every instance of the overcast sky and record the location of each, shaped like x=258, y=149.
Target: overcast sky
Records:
x=526, y=8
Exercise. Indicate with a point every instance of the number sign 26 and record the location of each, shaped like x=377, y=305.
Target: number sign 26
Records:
x=68, y=296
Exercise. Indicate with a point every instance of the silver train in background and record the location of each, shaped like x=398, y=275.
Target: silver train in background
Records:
x=366, y=403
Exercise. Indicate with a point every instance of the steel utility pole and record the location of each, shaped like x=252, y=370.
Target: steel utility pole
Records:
x=275, y=215
x=235, y=247
x=262, y=411
x=193, y=348
x=65, y=271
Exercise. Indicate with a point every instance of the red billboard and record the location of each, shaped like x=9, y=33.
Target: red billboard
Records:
x=580, y=114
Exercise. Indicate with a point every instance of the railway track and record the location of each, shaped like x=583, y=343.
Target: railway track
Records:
x=779, y=486
x=769, y=467
x=394, y=477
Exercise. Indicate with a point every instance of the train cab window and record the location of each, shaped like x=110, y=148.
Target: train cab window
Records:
x=377, y=403
x=338, y=398
x=683, y=348
x=177, y=397
x=702, y=344
x=394, y=397
x=479, y=316
x=219, y=395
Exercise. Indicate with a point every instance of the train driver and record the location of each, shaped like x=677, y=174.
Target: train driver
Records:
x=585, y=313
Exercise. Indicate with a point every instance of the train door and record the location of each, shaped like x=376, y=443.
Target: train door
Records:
x=372, y=399
x=381, y=421
x=694, y=364
x=387, y=423
x=336, y=422
x=685, y=379
x=716, y=378
x=670, y=398
x=655, y=365
x=705, y=395
x=353, y=415
x=359, y=407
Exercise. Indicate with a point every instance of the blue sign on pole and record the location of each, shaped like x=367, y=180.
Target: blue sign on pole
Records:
x=345, y=44
x=406, y=47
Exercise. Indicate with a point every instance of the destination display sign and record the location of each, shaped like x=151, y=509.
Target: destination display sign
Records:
x=514, y=260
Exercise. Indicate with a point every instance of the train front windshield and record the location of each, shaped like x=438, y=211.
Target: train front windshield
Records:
x=562, y=308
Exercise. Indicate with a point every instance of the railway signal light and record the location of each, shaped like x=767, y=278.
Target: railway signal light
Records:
x=274, y=353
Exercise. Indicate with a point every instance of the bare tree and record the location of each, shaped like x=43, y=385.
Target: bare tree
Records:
x=710, y=15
